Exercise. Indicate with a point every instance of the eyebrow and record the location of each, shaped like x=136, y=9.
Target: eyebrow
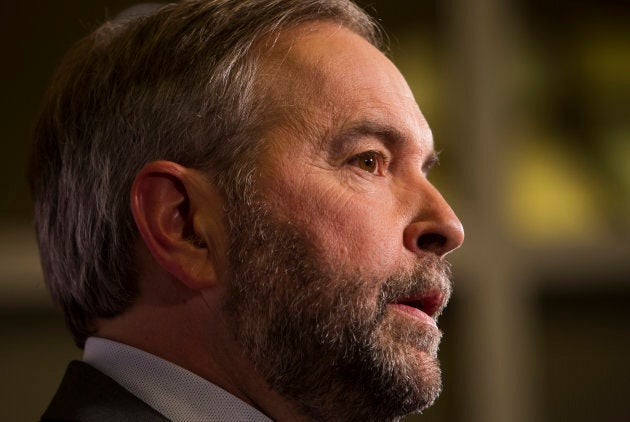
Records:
x=433, y=160
x=391, y=136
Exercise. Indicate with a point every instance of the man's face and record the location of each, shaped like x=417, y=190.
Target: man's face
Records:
x=337, y=275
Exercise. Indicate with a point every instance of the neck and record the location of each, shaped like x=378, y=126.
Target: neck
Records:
x=188, y=328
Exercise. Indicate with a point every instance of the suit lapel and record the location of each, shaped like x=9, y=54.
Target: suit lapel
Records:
x=87, y=395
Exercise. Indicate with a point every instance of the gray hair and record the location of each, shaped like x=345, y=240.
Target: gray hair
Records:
x=171, y=82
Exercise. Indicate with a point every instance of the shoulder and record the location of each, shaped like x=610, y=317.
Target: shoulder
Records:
x=86, y=394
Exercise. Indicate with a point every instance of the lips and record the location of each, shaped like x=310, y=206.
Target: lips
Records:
x=423, y=306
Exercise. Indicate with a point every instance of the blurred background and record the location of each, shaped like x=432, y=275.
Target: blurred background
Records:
x=529, y=103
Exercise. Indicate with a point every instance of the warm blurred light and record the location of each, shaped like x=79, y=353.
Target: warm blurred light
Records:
x=550, y=197
x=417, y=60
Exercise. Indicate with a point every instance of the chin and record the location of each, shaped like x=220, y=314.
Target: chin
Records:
x=408, y=368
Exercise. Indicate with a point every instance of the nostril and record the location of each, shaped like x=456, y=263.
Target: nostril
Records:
x=432, y=242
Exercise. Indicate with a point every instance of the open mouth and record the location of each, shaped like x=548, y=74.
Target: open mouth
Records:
x=424, y=307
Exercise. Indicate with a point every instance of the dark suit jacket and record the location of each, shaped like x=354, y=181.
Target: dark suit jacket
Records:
x=87, y=395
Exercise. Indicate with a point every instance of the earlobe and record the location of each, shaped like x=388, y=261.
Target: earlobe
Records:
x=165, y=206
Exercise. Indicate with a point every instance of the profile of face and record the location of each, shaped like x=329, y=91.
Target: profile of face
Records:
x=337, y=271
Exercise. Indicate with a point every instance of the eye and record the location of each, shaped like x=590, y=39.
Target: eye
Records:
x=370, y=161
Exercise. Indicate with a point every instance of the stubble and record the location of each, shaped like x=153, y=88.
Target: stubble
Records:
x=325, y=337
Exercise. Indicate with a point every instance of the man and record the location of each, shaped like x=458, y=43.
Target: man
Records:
x=233, y=211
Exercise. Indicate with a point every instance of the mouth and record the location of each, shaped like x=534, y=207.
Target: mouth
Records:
x=424, y=307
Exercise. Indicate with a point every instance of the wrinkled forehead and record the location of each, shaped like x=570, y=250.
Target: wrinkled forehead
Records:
x=324, y=74
x=329, y=58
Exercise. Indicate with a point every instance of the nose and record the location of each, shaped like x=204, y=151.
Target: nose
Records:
x=436, y=229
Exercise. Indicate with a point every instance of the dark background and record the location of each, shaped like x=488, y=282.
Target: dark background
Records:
x=528, y=101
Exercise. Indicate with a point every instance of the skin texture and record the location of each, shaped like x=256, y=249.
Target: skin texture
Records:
x=295, y=302
x=340, y=229
x=334, y=83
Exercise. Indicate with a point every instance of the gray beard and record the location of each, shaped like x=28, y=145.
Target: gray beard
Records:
x=323, y=337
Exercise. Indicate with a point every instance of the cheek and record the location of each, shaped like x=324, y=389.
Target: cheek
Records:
x=362, y=232
x=371, y=234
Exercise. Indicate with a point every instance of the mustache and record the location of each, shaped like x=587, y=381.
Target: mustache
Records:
x=430, y=275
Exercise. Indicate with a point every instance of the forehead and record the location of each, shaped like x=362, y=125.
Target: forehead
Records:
x=324, y=77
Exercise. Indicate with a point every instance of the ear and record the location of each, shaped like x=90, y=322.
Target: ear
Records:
x=179, y=216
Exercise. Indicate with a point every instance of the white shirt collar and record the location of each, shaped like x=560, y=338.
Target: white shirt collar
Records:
x=175, y=392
